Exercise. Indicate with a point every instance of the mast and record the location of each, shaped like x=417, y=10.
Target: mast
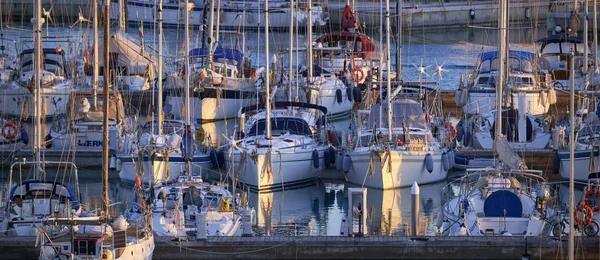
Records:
x=291, y=74
x=160, y=68
x=96, y=71
x=268, y=70
x=187, y=78
x=310, y=41
x=211, y=36
x=572, y=159
x=218, y=32
x=585, y=42
x=595, y=27
x=38, y=21
x=106, y=199
x=502, y=57
x=389, y=57
x=399, y=4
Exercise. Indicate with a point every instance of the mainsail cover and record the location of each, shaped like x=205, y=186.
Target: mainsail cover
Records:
x=506, y=155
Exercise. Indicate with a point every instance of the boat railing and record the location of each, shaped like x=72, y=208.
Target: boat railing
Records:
x=40, y=163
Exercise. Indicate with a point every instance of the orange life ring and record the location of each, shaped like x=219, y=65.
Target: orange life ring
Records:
x=10, y=130
x=453, y=128
x=584, y=214
x=358, y=75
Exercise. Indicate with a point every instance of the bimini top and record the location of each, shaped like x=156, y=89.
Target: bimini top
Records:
x=520, y=61
x=560, y=38
x=39, y=188
x=279, y=104
x=522, y=55
x=220, y=53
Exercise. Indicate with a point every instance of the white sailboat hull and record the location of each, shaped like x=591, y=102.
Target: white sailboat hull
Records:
x=287, y=168
x=406, y=168
x=582, y=165
x=158, y=170
x=18, y=102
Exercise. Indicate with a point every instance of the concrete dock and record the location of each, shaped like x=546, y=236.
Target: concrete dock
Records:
x=323, y=247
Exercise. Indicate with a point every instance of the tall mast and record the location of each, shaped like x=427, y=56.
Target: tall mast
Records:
x=106, y=199
x=572, y=158
x=38, y=21
x=218, y=31
x=211, y=36
x=187, y=78
x=96, y=68
x=310, y=41
x=585, y=41
x=291, y=73
x=389, y=67
x=595, y=29
x=399, y=6
x=502, y=58
x=160, y=68
x=268, y=70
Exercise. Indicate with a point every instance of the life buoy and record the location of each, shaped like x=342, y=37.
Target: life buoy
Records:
x=590, y=193
x=584, y=214
x=358, y=75
x=10, y=130
x=453, y=134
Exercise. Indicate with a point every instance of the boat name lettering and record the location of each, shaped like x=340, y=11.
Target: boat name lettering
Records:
x=89, y=143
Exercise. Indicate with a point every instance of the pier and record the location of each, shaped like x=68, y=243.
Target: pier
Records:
x=318, y=247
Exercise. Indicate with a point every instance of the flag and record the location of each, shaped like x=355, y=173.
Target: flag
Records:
x=141, y=30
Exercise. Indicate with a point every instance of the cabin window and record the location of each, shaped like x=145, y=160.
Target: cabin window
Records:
x=483, y=81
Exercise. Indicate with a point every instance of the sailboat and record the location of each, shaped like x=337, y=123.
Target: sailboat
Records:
x=160, y=154
x=504, y=200
x=396, y=147
x=278, y=148
x=101, y=236
x=33, y=199
x=178, y=207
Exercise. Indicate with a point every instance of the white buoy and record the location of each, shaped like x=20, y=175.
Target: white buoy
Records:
x=347, y=163
x=119, y=164
x=201, y=226
x=415, y=193
x=458, y=98
x=339, y=163
x=113, y=162
x=445, y=161
x=429, y=163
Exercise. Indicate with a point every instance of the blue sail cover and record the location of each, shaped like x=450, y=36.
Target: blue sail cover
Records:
x=501, y=204
x=522, y=55
x=220, y=53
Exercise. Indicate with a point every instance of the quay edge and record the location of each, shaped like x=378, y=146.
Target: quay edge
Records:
x=328, y=247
